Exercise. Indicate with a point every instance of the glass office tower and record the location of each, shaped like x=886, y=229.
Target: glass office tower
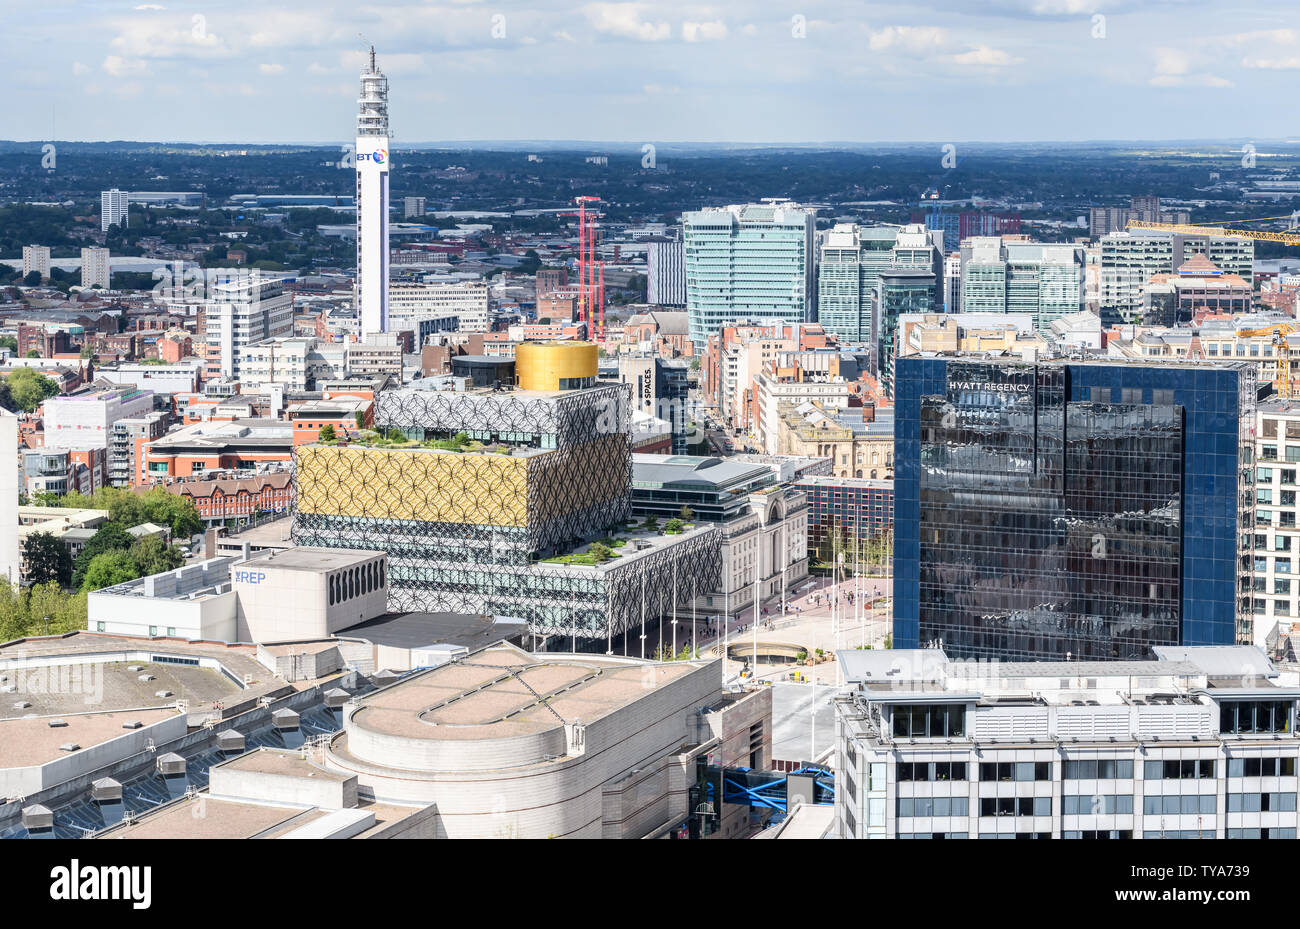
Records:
x=753, y=262
x=1071, y=511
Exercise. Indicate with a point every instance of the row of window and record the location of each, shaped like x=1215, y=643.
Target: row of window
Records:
x=1098, y=805
x=929, y=722
x=1097, y=769
x=1176, y=805
x=1015, y=806
x=932, y=771
x=1249, y=716
x=1015, y=771
x=1261, y=767
x=1262, y=803
x=933, y=806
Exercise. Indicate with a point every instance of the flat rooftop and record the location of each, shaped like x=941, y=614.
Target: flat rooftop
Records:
x=495, y=694
x=78, y=688
x=284, y=763
x=216, y=818
x=314, y=560
x=27, y=742
x=415, y=630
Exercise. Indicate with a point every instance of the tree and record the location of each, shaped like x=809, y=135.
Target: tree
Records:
x=154, y=556
x=47, y=559
x=599, y=551
x=33, y=353
x=32, y=279
x=361, y=420
x=673, y=526
x=29, y=389
x=109, y=569
x=111, y=537
x=327, y=433
x=686, y=513
x=651, y=524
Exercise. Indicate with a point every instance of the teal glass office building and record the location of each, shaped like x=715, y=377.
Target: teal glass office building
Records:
x=752, y=263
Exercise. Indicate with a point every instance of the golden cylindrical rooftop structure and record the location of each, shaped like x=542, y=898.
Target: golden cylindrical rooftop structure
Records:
x=556, y=365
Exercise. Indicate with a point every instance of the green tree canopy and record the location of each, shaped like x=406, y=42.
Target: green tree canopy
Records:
x=108, y=569
x=28, y=389
x=24, y=611
x=111, y=537
x=327, y=433
x=48, y=560
x=129, y=509
x=153, y=556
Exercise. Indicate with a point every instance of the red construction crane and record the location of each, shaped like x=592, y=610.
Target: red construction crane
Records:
x=591, y=273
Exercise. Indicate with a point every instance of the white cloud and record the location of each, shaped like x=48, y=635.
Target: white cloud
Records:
x=79, y=69
x=625, y=20
x=908, y=38
x=117, y=66
x=704, y=32
x=149, y=7
x=1271, y=64
x=982, y=56
x=749, y=30
x=273, y=68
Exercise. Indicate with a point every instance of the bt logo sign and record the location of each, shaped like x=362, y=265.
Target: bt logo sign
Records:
x=250, y=577
x=378, y=156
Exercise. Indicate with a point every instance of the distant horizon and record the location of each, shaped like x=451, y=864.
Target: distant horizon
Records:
x=631, y=146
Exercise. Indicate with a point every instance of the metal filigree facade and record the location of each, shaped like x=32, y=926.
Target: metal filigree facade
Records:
x=463, y=530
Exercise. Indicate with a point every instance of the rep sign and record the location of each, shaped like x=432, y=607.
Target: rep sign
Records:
x=249, y=577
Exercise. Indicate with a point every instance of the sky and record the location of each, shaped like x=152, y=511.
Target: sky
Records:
x=285, y=71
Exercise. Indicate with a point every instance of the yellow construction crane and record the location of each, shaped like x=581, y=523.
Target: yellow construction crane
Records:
x=1291, y=236
x=1280, y=331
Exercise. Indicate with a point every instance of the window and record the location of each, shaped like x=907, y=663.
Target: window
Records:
x=1098, y=769
x=932, y=771
x=171, y=630
x=1255, y=716
x=1261, y=767
x=929, y=722
x=1015, y=771
x=99, y=627
x=1102, y=804
x=153, y=630
x=1179, y=769
x=933, y=806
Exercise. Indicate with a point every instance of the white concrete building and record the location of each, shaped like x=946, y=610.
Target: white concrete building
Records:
x=36, y=258
x=292, y=594
x=95, y=268
x=509, y=744
x=10, y=553
x=112, y=208
x=1276, y=542
x=83, y=421
x=409, y=303
x=413, y=206
x=1200, y=743
x=245, y=312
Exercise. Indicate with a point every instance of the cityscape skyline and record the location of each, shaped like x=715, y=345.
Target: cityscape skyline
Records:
x=652, y=71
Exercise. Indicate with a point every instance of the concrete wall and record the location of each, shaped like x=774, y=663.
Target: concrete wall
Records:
x=286, y=604
x=211, y=618
x=619, y=785
x=10, y=556
x=15, y=782
x=237, y=783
